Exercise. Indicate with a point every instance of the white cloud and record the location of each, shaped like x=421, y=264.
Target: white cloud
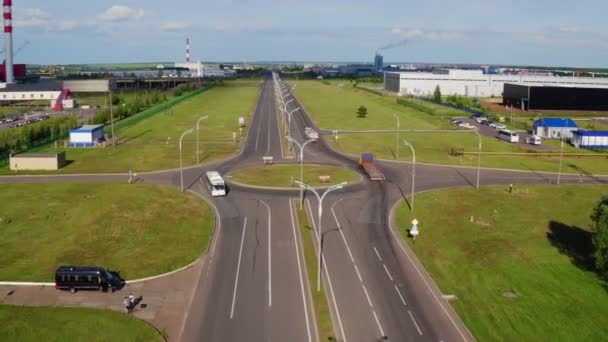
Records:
x=242, y=25
x=175, y=25
x=423, y=34
x=121, y=13
x=37, y=18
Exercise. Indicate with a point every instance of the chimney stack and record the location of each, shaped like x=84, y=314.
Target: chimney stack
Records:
x=188, y=50
x=8, y=40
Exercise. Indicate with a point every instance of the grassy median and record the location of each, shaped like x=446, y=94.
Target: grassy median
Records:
x=519, y=263
x=71, y=324
x=320, y=300
x=135, y=229
x=335, y=108
x=282, y=175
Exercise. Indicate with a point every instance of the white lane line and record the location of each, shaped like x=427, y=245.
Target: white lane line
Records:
x=414, y=320
x=358, y=274
x=350, y=254
x=428, y=286
x=387, y=272
x=331, y=288
x=269, y=255
x=295, y=241
x=257, y=138
x=378, y=323
x=238, y=267
x=400, y=296
x=369, y=300
x=268, y=134
x=377, y=254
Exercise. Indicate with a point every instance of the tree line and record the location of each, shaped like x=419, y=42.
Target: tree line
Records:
x=19, y=139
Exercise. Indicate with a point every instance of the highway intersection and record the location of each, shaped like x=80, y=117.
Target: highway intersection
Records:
x=254, y=285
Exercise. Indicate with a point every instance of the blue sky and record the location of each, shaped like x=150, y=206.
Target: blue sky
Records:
x=531, y=32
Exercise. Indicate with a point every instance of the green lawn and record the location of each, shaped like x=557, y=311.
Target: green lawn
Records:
x=71, y=324
x=334, y=108
x=320, y=300
x=520, y=269
x=138, y=230
x=153, y=143
x=281, y=175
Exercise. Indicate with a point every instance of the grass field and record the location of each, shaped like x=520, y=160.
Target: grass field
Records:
x=153, y=143
x=135, y=229
x=320, y=300
x=334, y=108
x=281, y=175
x=52, y=324
x=520, y=269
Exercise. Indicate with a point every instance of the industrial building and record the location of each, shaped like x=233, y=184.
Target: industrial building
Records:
x=378, y=62
x=590, y=139
x=86, y=136
x=546, y=97
x=555, y=128
x=474, y=82
x=37, y=161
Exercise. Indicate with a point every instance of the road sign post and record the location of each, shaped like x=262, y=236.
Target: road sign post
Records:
x=414, y=230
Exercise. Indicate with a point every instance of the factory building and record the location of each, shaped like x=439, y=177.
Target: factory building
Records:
x=378, y=62
x=546, y=97
x=37, y=161
x=474, y=82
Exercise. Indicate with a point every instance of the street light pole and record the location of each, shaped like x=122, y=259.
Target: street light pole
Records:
x=197, y=142
x=320, y=213
x=406, y=143
x=289, y=120
x=181, y=170
x=397, y=137
x=301, y=146
x=478, y=159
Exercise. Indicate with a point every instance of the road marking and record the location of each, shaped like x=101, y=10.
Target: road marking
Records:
x=387, y=272
x=400, y=296
x=358, y=274
x=269, y=255
x=257, y=138
x=238, y=267
x=369, y=300
x=350, y=254
x=331, y=288
x=377, y=254
x=414, y=320
x=295, y=241
x=378, y=323
x=464, y=338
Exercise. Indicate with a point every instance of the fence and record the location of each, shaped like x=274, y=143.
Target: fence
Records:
x=445, y=104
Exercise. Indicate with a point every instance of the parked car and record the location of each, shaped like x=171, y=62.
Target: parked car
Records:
x=466, y=125
x=74, y=278
x=481, y=119
x=500, y=126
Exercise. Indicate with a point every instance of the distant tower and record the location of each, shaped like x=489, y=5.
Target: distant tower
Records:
x=8, y=40
x=187, y=50
x=378, y=62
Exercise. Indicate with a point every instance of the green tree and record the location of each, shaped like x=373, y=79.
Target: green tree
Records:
x=361, y=112
x=599, y=227
x=437, y=93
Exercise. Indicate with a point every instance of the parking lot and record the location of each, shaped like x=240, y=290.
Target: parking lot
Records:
x=488, y=130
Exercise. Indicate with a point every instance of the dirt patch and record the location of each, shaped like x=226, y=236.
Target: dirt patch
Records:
x=511, y=294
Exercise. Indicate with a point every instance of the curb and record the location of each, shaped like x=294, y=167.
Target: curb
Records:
x=428, y=280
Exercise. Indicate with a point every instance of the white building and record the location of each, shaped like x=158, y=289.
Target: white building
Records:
x=86, y=136
x=474, y=82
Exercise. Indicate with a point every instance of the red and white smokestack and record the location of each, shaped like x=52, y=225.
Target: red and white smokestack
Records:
x=188, y=50
x=8, y=40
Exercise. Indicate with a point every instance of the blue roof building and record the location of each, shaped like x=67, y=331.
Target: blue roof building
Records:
x=555, y=128
x=590, y=139
x=86, y=136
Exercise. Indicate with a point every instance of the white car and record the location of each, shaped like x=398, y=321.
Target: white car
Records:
x=499, y=126
x=466, y=125
x=481, y=119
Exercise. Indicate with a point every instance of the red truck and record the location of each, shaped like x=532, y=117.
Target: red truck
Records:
x=366, y=162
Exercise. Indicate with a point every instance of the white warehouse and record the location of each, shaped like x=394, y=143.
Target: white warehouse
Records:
x=474, y=82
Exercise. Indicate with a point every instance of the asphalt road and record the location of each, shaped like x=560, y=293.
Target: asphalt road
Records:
x=254, y=287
